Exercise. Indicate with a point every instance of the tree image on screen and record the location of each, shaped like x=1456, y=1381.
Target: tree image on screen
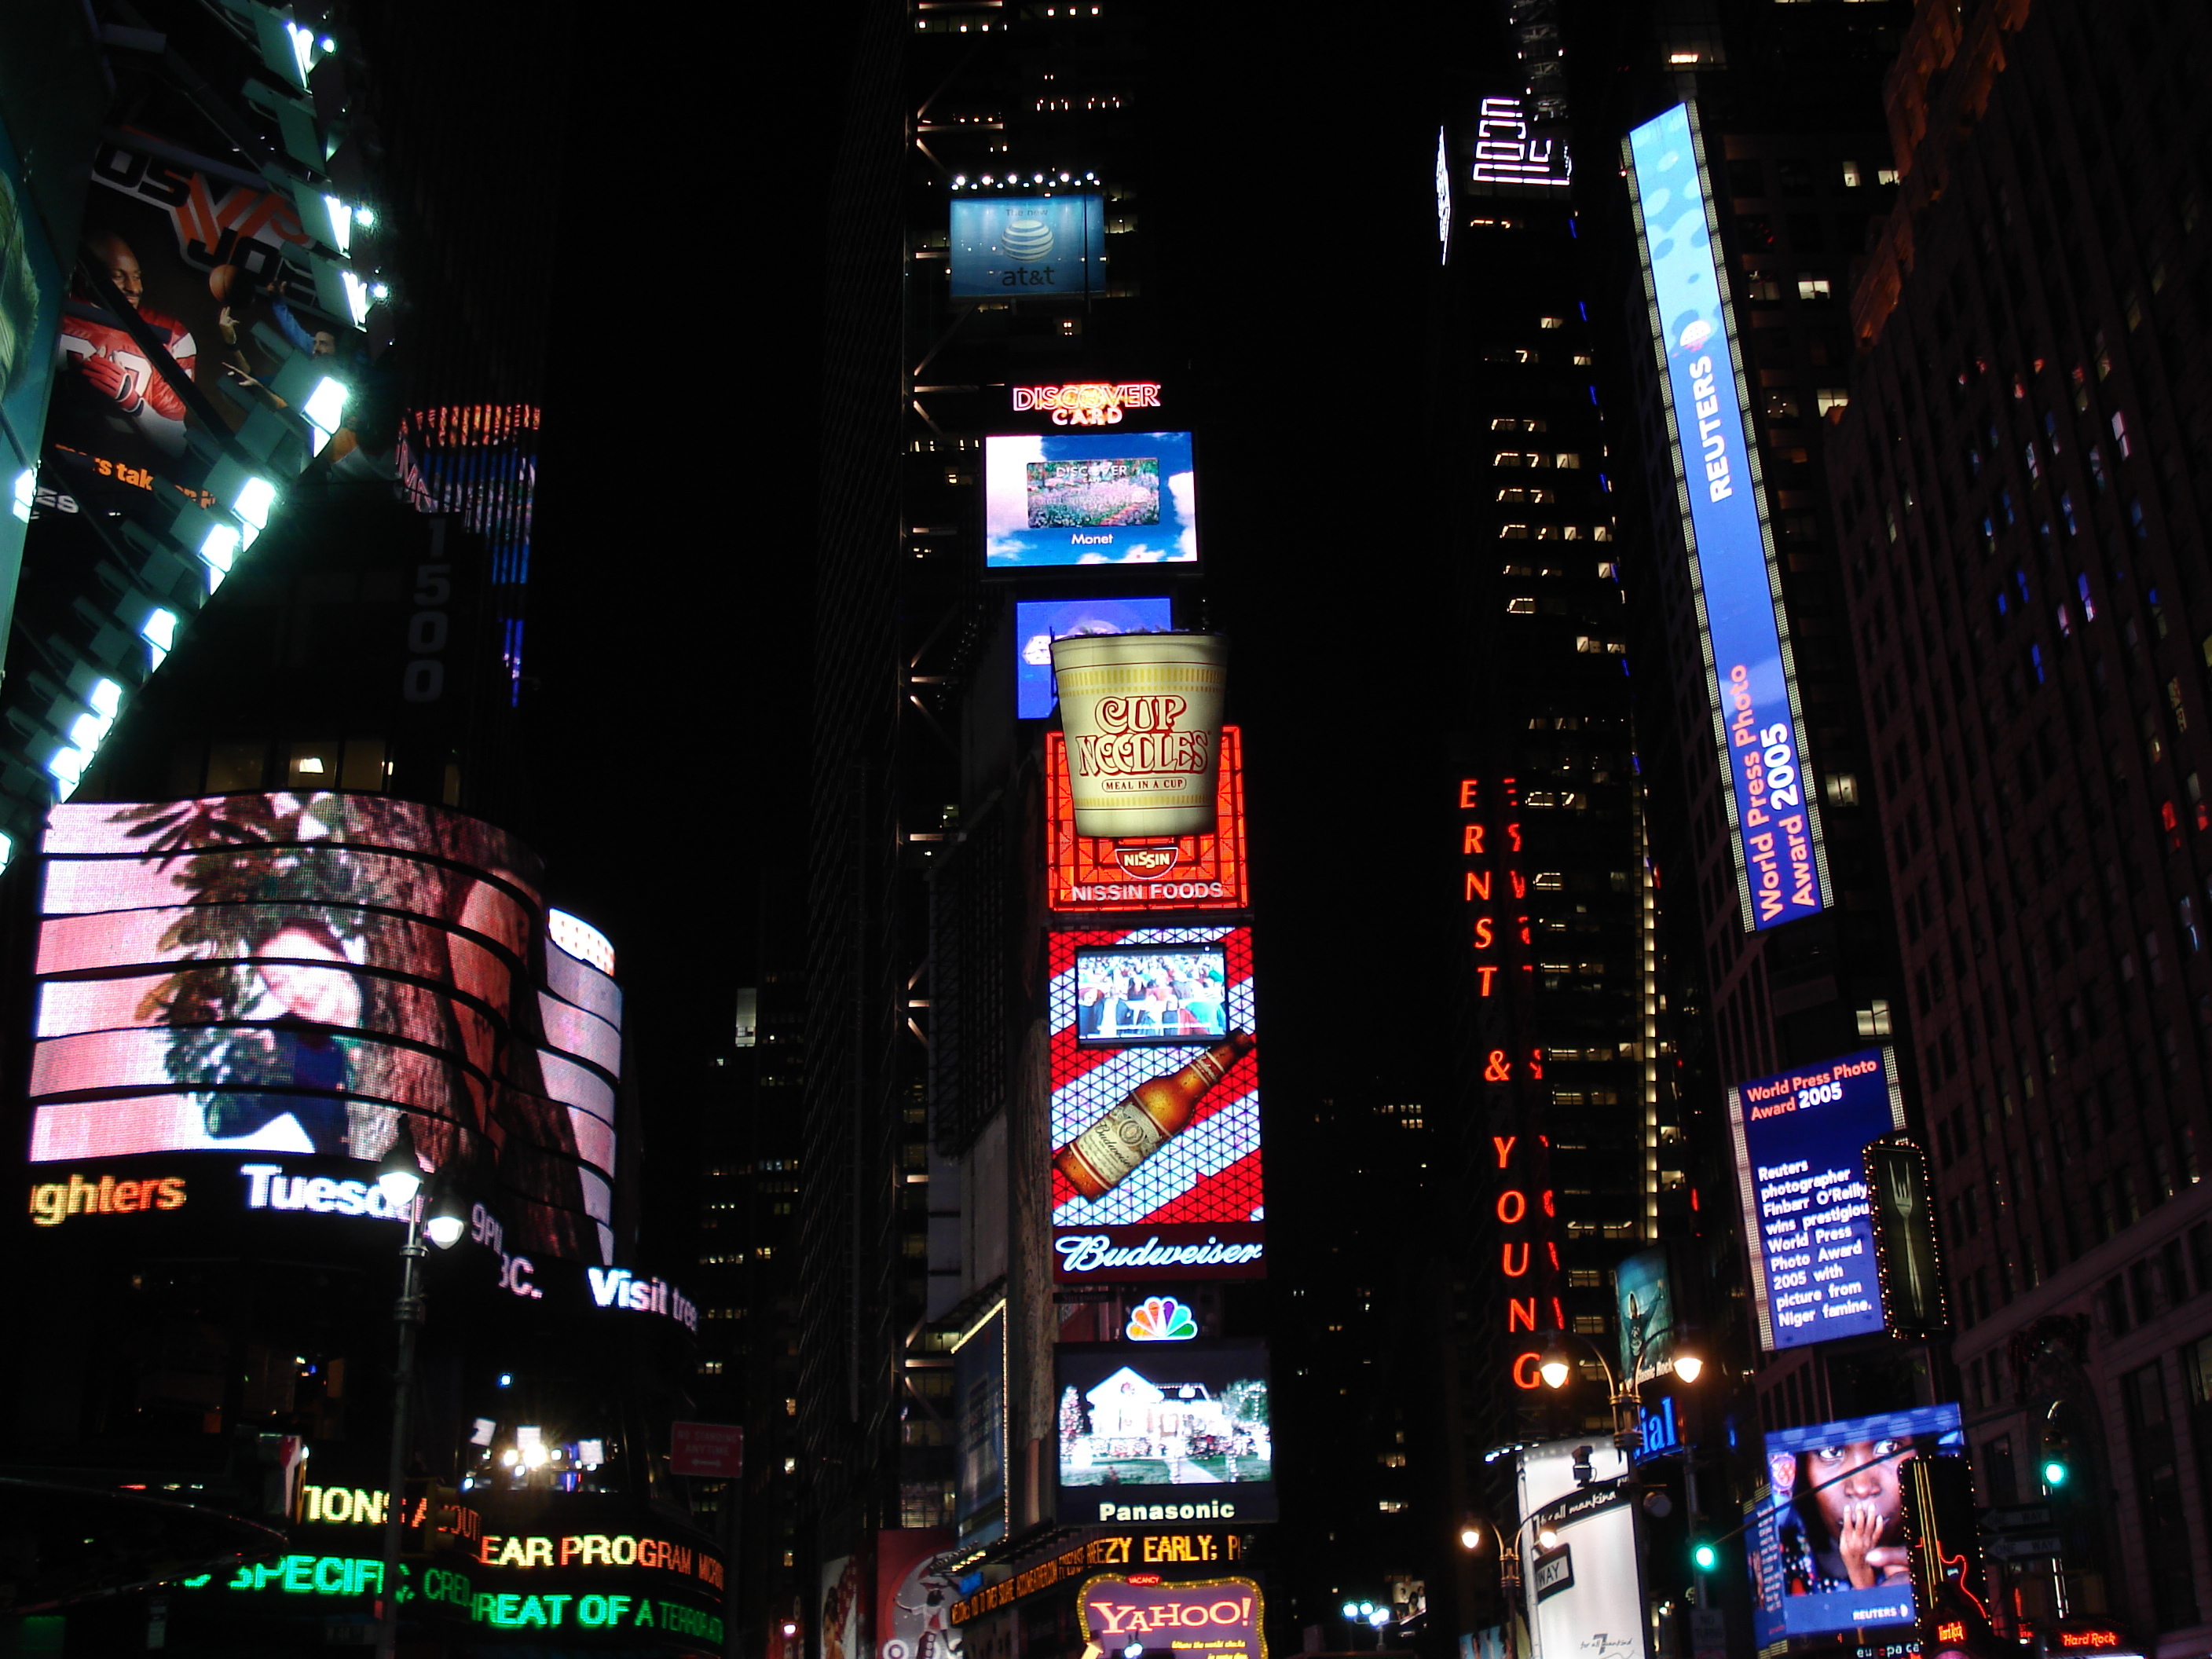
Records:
x=1083, y=494
x=1130, y=1432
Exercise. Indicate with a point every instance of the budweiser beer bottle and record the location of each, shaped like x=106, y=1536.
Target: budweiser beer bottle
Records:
x=1144, y=1120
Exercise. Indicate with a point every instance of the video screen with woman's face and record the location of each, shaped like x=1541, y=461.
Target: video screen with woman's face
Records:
x=1178, y=994
x=1829, y=1551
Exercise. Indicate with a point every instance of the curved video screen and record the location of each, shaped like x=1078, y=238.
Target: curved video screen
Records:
x=322, y=974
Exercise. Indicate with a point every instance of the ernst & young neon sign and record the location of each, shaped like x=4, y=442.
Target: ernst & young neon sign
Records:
x=1092, y=403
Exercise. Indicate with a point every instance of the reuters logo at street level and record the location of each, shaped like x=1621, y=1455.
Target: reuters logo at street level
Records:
x=1147, y=860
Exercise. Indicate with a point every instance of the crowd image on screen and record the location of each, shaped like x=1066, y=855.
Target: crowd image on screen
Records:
x=1152, y=996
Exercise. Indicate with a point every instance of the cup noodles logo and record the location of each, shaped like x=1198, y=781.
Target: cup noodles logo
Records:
x=1104, y=874
x=1145, y=860
x=1092, y=404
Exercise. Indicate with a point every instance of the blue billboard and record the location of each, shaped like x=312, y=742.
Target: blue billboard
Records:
x=1800, y=1141
x=1119, y=497
x=1781, y=863
x=1028, y=248
x=1038, y=622
x=1827, y=1549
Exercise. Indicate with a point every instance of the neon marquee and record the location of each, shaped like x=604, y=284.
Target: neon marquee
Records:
x=1090, y=403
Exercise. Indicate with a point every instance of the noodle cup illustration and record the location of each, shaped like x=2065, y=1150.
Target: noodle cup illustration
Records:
x=1142, y=715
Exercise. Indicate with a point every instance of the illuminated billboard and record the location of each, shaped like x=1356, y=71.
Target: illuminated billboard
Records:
x=1151, y=995
x=1781, y=860
x=1583, y=1590
x=1801, y=1142
x=1222, y=1617
x=203, y=259
x=1142, y=715
x=1100, y=874
x=1509, y=151
x=315, y=973
x=1827, y=1550
x=1028, y=248
x=1038, y=622
x=1178, y=1433
x=1155, y=1164
x=1643, y=1292
x=1072, y=498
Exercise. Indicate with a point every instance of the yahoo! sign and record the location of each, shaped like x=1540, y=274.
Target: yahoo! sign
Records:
x=1224, y=1616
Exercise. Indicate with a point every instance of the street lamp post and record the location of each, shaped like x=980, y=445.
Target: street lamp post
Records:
x=399, y=1178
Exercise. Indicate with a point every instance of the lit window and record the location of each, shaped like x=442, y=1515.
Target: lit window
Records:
x=1813, y=288
x=1567, y=460
x=1873, y=1019
x=1550, y=322
x=1831, y=397
x=1391, y=1506
x=1886, y=176
x=1842, y=789
x=1523, y=606
x=1850, y=175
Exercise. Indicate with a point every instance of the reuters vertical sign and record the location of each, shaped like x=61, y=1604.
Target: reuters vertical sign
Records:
x=1781, y=860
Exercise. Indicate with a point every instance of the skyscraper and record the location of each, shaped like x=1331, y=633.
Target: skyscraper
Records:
x=2019, y=482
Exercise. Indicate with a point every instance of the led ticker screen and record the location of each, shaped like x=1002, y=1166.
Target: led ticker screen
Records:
x=1098, y=874
x=1781, y=863
x=1150, y=995
x=1028, y=248
x=1077, y=498
x=311, y=974
x=1827, y=1551
x=1038, y=622
x=1800, y=1140
x=1179, y=1433
x=1192, y=1205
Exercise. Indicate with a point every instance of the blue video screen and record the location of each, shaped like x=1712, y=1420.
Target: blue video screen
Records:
x=1028, y=248
x=1781, y=866
x=1800, y=1140
x=1038, y=622
x=1055, y=499
x=1827, y=1551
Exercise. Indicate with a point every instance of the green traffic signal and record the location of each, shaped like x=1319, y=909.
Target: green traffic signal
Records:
x=2054, y=1472
x=1704, y=1556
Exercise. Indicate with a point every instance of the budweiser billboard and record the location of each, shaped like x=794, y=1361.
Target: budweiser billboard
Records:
x=1106, y=873
x=1155, y=1106
x=1142, y=712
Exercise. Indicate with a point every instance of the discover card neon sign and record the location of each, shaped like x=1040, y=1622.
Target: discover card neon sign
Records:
x=1780, y=858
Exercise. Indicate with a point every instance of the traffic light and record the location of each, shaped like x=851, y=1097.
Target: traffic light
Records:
x=1705, y=1555
x=2056, y=1465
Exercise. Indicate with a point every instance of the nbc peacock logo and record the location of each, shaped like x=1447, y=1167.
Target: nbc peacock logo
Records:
x=1161, y=1319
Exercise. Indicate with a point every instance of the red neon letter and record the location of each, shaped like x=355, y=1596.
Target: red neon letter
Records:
x=1524, y=1370
x=1468, y=787
x=1516, y=1201
x=1514, y=830
x=1537, y=1062
x=1470, y=838
x=1520, y=884
x=1520, y=1314
x=1482, y=932
x=1486, y=971
x=1505, y=1253
x=1478, y=886
x=1500, y=1070
x=1504, y=1145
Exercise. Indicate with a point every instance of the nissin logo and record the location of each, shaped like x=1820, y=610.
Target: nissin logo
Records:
x=53, y=1202
x=1147, y=860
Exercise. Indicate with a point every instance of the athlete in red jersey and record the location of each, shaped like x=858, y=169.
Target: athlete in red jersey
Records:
x=133, y=400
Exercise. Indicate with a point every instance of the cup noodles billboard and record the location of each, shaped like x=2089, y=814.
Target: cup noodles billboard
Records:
x=1095, y=873
x=1156, y=1127
x=1142, y=715
x=316, y=974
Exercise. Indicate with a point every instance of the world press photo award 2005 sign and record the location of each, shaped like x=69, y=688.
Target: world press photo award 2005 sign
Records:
x=1781, y=864
x=1800, y=1141
x=1142, y=715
